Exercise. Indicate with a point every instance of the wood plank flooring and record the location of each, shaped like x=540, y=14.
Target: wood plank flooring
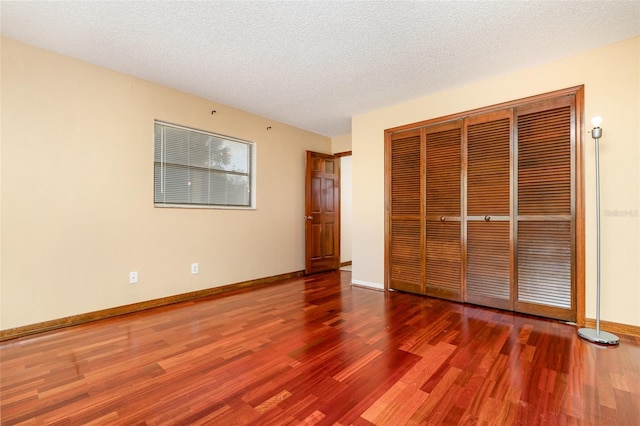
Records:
x=315, y=350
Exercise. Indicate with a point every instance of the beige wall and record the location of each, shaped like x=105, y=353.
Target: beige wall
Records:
x=77, y=209
x=611, y=76
x=341, y=143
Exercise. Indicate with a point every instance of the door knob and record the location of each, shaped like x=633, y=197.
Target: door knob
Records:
x=309, y=217
x=487, y=218
x=442, y=218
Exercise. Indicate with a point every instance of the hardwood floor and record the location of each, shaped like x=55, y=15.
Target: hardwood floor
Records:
x=315, y=350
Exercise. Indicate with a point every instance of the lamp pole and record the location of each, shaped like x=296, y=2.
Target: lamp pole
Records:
x=598, y=336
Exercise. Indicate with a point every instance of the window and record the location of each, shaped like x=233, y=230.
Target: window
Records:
x=200, y=169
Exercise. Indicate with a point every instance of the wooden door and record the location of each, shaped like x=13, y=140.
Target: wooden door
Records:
x=488, y=210
x=423, y=207
x=546, y=205
x=487, y=206
x=322, y=213
x=443, y=271
x=405, y=243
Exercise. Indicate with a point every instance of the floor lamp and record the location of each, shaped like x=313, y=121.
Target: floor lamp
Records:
x=598, y=336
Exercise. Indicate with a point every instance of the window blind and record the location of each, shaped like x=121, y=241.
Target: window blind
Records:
x=197, y=168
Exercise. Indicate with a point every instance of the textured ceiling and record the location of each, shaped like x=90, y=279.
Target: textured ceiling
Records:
x=315, y=64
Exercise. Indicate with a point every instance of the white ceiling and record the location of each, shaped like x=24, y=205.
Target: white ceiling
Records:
x=315, y=64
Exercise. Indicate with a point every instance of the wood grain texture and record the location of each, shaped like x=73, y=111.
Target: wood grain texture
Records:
x=614, y=327
x=316, y=350
x=55, y=324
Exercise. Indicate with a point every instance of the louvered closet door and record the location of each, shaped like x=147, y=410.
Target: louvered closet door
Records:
x=443, y=214
x=546, y=210
x=488, y=208
x=406, y=242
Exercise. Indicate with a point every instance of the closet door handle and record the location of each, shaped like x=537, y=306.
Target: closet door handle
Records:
x=487, y=218
x=442, y=219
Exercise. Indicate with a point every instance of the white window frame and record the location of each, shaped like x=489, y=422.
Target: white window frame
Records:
x=160, y=173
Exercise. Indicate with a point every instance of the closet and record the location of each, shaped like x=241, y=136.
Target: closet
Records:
x=485, y=207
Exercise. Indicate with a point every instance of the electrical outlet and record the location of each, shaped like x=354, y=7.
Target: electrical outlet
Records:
x=194, y=268
x=133, y=277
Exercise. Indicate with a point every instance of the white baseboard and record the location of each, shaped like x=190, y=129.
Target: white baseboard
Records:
x=376, y=286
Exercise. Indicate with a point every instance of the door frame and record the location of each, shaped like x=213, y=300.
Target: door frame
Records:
x=339, y=155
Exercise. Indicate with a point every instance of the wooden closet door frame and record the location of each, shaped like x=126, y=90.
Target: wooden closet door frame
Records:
x=577, y=133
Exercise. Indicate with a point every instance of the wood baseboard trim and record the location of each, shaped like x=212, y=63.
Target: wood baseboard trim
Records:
x=343, y=264
x=366, y=287
x=27, y=330
x=614, y=327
